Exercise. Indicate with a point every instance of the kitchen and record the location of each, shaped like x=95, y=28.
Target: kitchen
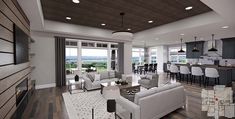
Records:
x=218, y=54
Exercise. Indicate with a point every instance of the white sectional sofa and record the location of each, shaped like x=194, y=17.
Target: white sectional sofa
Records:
x=153, y=103
x=106, y=76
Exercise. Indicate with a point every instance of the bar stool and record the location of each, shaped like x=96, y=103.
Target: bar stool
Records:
x=211, y=73
x=197, y=72
x=174, y=71
x=184, y=71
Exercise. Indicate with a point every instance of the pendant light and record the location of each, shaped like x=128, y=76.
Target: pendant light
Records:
x=213, y=49
x=181, y=49
x=195, y=45
x=122, y=34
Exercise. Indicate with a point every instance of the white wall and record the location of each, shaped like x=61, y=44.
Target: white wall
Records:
x=44, y=59
x=127, y=58
x=162, y=56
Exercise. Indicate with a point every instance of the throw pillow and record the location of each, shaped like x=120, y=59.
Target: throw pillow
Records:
x=143, y=76
x=150, y=77
x=97, y=77
x=90, y=77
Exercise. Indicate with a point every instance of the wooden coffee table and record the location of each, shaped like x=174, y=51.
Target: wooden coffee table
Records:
x=128, y=91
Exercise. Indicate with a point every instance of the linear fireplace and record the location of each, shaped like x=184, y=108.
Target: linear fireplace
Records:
x=21, y=91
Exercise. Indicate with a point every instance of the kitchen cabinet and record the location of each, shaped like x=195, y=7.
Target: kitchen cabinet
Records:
x=228, y=48
x=190, y=46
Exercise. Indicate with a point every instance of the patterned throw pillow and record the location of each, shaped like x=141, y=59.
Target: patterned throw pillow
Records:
x=97, y=77
x=90, y=77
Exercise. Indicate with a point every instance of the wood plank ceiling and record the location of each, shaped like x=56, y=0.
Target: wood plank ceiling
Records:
x=137, y=12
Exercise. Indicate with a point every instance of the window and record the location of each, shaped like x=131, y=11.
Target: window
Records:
x=88, y=44
x=153, y=55
x=94, y=59
x=71, y=43
x=71, y=59
x=114, y=46
x=87, y=56
x=138, y=55
x=176, y=57
x=103, y=45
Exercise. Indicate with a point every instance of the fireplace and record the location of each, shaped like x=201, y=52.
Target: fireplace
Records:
x=21, y=91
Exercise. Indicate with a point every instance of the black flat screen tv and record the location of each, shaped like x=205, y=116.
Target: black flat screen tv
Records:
x=21, y=46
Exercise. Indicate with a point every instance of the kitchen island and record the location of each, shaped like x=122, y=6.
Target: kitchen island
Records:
x=226, y=73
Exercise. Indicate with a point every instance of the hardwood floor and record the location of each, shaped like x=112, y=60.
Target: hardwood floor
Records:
x=46, y=104
x=49, y=104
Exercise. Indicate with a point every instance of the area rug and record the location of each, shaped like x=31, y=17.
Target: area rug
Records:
x=79, y=105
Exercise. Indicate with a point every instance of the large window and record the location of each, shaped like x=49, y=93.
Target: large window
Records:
x=153, y=55
x=138, y=55
x=71, y=59
x=176, y=57
x=89, y=56
x=94, y=59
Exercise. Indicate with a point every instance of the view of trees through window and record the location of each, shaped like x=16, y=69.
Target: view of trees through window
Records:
x=71, y=59
x=176, y=57
x=138, y=55
x=89, y=56
x=153, y=55
x=94, y=59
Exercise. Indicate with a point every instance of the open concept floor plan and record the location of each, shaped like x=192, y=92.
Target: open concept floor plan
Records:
x=117, y=59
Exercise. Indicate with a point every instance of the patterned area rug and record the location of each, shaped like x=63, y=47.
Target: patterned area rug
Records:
x=79, y=105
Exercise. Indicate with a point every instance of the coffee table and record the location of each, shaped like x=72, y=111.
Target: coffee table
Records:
x=128, y=91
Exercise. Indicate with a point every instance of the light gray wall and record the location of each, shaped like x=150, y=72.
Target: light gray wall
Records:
x=120, y=57
x=124, y=58
x=44, y=59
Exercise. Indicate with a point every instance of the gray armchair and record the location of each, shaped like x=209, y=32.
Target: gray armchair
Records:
x=149, y=83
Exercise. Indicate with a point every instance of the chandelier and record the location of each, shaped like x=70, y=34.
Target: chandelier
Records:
x=122, y=34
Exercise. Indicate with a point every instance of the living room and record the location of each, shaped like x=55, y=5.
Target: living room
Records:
x=84, y=59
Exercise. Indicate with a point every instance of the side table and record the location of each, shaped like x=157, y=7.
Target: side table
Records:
x=76, y=85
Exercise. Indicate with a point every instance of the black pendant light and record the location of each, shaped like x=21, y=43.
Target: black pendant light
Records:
x=213, y=49
x=181, y=49
x=195, y=45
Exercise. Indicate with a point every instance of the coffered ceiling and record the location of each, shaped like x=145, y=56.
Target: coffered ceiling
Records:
x=137, y=12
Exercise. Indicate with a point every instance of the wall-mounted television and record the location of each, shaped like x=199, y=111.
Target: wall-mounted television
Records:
x=21, y=46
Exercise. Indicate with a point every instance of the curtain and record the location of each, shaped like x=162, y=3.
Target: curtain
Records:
x=60, y=61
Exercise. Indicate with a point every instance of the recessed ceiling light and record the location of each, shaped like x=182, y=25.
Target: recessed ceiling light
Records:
x=128, y=29
x=150, y=21
x=103, y=24
x=76, y=1
x=68, y=18
x=189, y=8
x=182, y=34
x=225, y=27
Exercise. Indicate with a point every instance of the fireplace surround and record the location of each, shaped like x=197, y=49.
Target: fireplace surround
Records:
x=21, y=90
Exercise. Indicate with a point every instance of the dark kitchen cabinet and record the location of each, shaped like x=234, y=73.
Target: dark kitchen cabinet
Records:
x=190, y=46
x=228, y=48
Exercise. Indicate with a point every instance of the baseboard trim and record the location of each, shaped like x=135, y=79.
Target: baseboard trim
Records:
x=45, y=86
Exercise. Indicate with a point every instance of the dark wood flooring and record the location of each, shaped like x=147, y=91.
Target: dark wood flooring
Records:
x=46, y=104
x=49, y=104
